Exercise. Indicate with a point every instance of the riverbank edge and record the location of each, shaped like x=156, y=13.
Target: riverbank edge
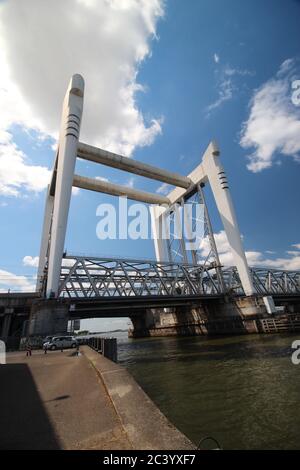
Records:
x=146, y=427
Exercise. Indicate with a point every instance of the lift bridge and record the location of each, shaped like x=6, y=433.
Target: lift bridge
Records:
x=181, y=274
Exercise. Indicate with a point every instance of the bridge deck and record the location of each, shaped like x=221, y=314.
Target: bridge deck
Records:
x=123, y=306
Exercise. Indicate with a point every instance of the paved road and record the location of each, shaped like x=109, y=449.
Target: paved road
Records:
x=56, y=401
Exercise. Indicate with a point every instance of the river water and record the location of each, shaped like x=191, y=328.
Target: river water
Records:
x=244, y=391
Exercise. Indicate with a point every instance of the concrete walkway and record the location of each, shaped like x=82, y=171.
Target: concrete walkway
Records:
x=56, y=401
x=62, y=401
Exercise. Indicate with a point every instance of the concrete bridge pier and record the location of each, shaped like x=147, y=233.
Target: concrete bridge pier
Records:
x=144, y=322
x=48, y=317
x=6, y=324
x=210, y=316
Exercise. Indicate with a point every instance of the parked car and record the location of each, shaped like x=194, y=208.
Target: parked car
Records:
x=47, y=339
x=60, y=342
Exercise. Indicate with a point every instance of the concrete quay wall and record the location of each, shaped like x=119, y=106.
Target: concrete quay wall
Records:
x=145, y=425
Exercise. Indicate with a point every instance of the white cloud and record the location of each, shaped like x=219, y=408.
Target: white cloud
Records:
x=226, y=85
x=16, y=172
x=13, y=282
x=296, y=245
x=32, y=261
x=225, y=93
x=255, y=258
x=231, y=71
x=44, y=43
x=216, y=58
x=75, y=191
x=164, y=188
x=291, y=263
x=273, y=125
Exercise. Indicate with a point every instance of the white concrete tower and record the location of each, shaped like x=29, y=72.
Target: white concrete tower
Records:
x=210, y=170
x=159, y=232
x=219, y=185
x=67, y=153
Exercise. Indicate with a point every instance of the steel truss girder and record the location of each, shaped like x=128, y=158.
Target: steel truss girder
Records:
x=90, y=277
x=108, y=277
x=266, y=281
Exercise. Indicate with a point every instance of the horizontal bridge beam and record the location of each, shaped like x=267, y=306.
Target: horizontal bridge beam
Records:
x=118, y=190
x=109, y=307
x=94, y=154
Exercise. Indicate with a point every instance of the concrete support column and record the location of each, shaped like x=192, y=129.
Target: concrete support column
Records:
x=219, y=185
x=67, y=153
x=142, y=323
x=159, y=232
x=45, y=239
x=48, y=317
x=6, y=326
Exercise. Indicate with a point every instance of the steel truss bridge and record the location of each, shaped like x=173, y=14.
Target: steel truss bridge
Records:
x=95, y=278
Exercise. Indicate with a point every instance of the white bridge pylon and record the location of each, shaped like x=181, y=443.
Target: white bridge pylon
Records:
x=63, y=179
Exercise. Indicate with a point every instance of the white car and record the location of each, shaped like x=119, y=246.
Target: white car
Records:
x=60, y=342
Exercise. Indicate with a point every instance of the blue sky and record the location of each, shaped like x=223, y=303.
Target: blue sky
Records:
x=185, y=72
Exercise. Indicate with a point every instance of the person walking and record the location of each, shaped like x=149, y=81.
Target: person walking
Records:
x=28, y=349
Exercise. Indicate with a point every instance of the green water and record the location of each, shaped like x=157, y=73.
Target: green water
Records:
x=244, y=391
